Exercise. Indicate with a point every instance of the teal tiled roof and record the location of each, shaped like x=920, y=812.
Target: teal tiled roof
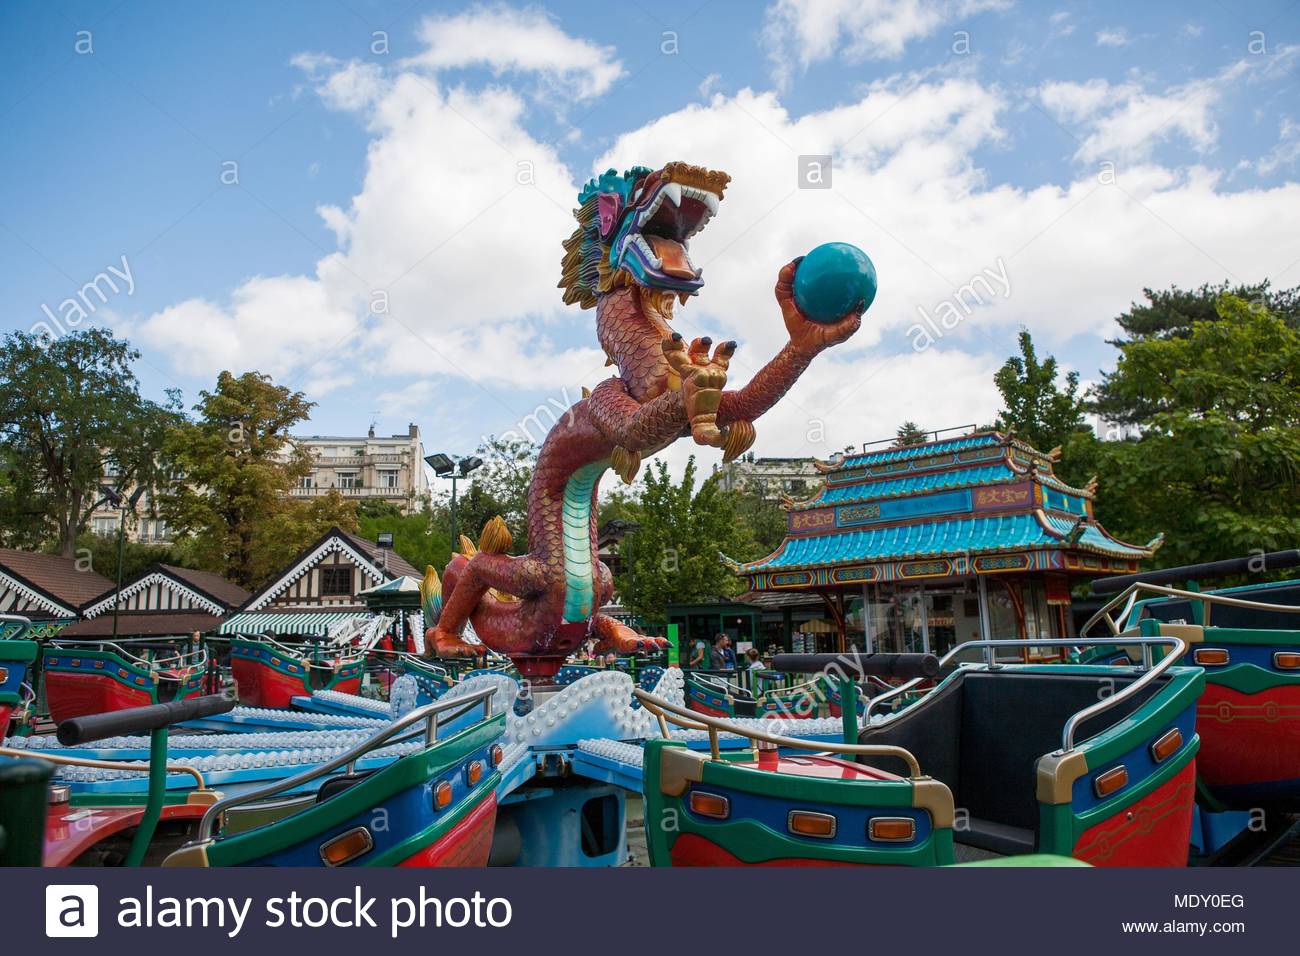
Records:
x=935, y=539
x=1094, y=539
x=945, y=447
x=915, y=484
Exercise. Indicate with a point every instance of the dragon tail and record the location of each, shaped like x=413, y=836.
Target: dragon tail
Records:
x=431, y=596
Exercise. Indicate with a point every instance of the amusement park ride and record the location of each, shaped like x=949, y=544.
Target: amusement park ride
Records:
x=494, y=747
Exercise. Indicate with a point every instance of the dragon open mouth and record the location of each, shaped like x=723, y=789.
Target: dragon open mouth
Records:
x=668, y=208
x=666, y=226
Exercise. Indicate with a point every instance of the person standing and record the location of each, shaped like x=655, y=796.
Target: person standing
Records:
x=718, y=656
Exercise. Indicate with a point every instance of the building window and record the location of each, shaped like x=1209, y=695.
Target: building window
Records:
x=348, y=479
x=336, y=582
x=104, y=525
x=388, y=480
x=306, y=483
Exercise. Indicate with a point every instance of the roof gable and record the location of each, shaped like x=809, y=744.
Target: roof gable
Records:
x=60, y=583
x=364, y=554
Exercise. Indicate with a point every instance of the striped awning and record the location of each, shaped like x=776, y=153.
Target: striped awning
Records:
x=269, y=622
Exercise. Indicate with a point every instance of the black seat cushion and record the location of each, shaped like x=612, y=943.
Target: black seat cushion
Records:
x=983, y=735
x=995, y=837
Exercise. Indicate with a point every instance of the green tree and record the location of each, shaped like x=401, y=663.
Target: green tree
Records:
x=235, y=467
x=70, y=411
x=417, y=537
x=1216, y=464
x=1037, y=408
x=100, y=551
x=672, y=556
x=1171, y=313
x=763, y=522
x=910, y=433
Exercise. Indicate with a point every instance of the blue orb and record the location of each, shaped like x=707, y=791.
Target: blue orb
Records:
x=832, y=279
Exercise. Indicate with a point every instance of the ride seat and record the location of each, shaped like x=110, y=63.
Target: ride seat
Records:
x=982, y=736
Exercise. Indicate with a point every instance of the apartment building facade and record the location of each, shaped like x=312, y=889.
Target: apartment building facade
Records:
x=366, y=468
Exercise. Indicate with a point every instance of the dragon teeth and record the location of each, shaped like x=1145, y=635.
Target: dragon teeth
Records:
x=673, y=192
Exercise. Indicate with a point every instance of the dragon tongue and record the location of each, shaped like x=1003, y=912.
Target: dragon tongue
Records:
x=673, y=256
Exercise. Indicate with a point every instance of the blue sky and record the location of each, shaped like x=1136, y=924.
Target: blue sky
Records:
x=379, y=147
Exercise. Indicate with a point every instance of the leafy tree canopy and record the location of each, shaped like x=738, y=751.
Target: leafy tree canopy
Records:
x=1216, y=465
x=910, y=433
x=234, y=467
x=672, y=556
x=1171, y=313
x=70, y=410
x=1036, y=406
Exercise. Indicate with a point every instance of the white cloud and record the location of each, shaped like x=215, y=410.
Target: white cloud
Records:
x=1114, y=37
x=469, y=256
x=799, y=33
x=506, y=40
x=1286, y=152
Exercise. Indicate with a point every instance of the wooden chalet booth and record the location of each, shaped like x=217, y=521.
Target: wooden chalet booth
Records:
x=923, y=547
x=318, y=588
x=47, y=589
x=161, y=601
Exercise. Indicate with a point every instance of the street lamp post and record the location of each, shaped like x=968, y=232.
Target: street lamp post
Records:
x=114, y=497
x=444, y=467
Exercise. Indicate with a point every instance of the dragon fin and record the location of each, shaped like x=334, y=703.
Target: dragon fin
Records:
x=495, y=537
x=431, y=596
x=625, y=463
x=740, y=435
x=467, y=547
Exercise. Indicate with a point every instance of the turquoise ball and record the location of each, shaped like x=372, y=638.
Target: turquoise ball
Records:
x=832, y=279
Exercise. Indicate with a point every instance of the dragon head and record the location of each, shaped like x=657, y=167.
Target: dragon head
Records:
x=636, y=228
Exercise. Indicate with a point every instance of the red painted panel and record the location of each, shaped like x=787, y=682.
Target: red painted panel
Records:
x=76, y=695
x=5, y=711
x=1152, y=832
x=1248, y=738
x=466, y=844
x=70, y=832
x=702, y=709
x=261, y=685
x=691, y=849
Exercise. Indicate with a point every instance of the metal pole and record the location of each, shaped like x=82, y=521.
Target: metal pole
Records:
x=454, y=539
x=849, y=708
x=154, y=804
x=117, y=591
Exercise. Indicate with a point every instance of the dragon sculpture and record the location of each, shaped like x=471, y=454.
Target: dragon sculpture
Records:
x=629, y=259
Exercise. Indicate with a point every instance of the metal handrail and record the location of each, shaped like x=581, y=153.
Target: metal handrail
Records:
x=1178, y=645
x=102, y=764
x=1130, y=593
x=26, y=622
x=692, y=720
x=195, y=658
x=429, y=714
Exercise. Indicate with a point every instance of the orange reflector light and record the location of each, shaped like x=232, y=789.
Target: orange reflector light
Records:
x=807, y=823
x=441, y=795
x=891, y=829
x=346, y=847
x=496, y=755
x=1112, y=780
x=1166, y=745
x=710, y=805
x=1286, y=660
x=4, y=674
x=474, y=772
x=1210, y=655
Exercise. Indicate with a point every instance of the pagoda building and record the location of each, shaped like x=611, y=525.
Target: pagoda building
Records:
x=922, y=547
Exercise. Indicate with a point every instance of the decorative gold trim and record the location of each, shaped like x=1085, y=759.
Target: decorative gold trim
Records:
x=934, y=797
x=190, y=855
x=1057, y=773
x=679, y=767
